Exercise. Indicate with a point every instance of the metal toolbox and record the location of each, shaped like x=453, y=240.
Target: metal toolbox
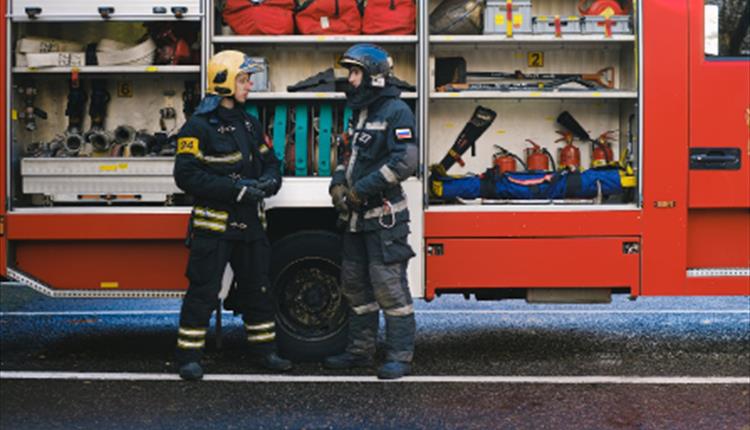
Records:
x=556, y=25
x=81, y=10
x=617, y=24
x=95, y=179
x=496, y=17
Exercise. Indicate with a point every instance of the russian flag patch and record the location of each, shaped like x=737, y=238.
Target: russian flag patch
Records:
x=404, y=134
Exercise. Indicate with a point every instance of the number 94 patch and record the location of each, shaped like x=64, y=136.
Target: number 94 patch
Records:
x=187, y=145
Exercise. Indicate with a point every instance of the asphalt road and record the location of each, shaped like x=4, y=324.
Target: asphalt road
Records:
x=653, y=363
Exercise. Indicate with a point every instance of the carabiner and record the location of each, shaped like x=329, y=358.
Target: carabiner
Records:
x=387, y=210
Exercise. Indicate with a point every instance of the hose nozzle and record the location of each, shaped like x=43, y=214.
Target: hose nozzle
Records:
x=72, y=143
x=100, y=139
x=124, y=134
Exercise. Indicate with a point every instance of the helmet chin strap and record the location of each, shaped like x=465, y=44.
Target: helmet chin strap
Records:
x=228, y=102
x=367, y=92
x=362, y=96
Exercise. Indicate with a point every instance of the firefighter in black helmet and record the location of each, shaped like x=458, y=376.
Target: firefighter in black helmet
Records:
x=366, y=190
x=225, y=161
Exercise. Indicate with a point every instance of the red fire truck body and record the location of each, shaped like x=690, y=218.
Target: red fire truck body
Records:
x=688, y=234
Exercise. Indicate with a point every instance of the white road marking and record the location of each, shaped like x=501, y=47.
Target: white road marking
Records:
x=91, y=313
x=569, y=380
x=584, y=311
x=423, y=312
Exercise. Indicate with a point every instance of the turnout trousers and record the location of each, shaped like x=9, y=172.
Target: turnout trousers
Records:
x=250, y=262
x=374, y=277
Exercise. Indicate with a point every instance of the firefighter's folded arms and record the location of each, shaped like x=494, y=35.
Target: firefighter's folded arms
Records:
x=227, y=164
x=366, y=191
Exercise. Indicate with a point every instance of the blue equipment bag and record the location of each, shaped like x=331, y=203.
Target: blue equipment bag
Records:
x=523, y=185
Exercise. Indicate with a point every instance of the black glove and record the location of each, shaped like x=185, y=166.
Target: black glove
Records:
x=338, y=197
x=353, y=200
x=268, y=185
x=247, y=191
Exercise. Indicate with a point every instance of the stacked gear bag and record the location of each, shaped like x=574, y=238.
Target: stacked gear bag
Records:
x=260, y=17
x=389, y=17
x=328, y=17
x=275, y=17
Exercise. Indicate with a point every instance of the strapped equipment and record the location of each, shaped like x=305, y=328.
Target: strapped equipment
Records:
x=328, y=17
x=248, y=17
x=390, y=17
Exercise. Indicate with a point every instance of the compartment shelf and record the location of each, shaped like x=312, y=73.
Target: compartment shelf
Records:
x=71, y=18
x=526, y=39
x=310, y=96
x=111, y=69
x=535, y=95
x=313, y=39
x=542, y=207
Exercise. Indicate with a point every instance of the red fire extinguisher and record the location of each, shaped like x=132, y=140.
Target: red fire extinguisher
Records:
x=605, y=8
x=569, y=155
x=601, y=153
x=538, y=158
x=505, y=161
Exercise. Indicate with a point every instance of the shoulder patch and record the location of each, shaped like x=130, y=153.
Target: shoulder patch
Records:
x=187, y=145
x=404, y=134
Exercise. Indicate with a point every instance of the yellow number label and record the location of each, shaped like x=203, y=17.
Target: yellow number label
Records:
x=536, y=59
x=187, y=145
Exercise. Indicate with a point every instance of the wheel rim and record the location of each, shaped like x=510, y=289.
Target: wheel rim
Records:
x=310, y=304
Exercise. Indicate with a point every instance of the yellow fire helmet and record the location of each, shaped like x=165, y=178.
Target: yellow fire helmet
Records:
x=223, y=69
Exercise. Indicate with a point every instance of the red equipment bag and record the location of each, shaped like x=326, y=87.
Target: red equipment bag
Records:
x=260, y=16
x=328, y=17
x=390, y=17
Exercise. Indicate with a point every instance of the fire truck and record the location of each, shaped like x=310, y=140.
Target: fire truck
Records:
x=658, y=90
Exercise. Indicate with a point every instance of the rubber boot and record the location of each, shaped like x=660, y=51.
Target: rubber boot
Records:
x=191, y=371
x=399, y=338
x=363, y=330
x=394, y=370
x=272, y=361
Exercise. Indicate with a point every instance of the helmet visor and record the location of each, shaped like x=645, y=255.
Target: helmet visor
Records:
x=251, y=65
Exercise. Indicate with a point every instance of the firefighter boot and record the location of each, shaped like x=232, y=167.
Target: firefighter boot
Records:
x=394, y=370
x=191, y=371
x=272, y=361
x=363, y=330
x=399, y=341
x=190, y=343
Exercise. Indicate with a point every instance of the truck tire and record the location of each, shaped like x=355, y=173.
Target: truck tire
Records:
x=311, y=313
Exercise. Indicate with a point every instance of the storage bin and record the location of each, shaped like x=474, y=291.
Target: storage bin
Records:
x=549, y=25
x=618, y=24
x=496, y=17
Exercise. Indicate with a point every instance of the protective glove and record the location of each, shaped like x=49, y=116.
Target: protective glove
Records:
x=338, y=197
x=268, y=185
x=353, y=201
x=248, y=192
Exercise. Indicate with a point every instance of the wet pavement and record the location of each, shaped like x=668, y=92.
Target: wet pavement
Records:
x=675, y=338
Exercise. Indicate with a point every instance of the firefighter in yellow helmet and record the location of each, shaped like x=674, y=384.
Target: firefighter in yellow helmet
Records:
x=226, y=162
